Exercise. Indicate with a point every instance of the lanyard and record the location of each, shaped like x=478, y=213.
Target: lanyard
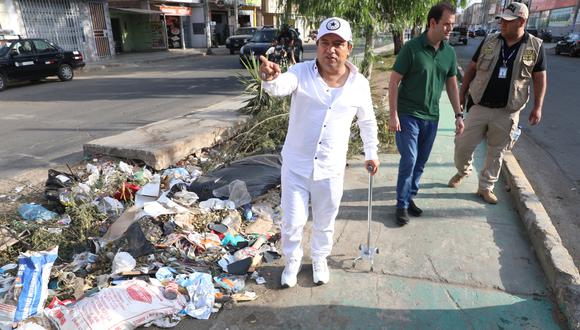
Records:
x=503, y=58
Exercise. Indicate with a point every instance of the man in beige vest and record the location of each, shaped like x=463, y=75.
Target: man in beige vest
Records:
x=498, y=79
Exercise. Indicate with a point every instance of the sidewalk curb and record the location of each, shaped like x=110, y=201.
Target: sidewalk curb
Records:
x=165, y=142
x=104, y=66
x=561, y=272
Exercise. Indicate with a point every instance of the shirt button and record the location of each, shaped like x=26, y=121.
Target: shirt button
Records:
x=315, y=157
x=319, y=142
x=329, y=108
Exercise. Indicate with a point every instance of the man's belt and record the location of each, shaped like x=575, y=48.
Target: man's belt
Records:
x=492, y=104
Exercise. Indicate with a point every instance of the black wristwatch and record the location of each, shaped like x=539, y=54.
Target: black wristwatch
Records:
x=459, y=115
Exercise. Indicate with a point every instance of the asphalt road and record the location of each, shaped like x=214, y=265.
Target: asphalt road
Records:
x=47, y=123
x=549, y=153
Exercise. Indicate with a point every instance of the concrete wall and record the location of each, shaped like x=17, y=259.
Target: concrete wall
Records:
x=198, y=40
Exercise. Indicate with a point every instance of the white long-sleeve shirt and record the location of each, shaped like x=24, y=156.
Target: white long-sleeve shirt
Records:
x=320, y=119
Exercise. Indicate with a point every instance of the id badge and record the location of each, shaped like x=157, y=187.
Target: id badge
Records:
x=502, y=72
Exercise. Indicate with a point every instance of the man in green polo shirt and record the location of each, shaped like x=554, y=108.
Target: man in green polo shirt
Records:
x=423, y=67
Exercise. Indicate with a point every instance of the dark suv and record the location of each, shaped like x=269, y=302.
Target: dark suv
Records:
x=34, y=59
x=262, y=40
x=242, y=36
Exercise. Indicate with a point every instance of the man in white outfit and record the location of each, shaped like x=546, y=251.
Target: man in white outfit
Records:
x=327, y=93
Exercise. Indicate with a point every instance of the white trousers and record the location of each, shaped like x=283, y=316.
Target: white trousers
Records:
x=325, y=196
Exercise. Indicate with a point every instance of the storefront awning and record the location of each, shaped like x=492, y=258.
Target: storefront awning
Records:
x=138, y=11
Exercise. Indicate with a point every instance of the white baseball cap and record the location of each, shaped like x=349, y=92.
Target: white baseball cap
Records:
x=336, y=26
x=514, y=10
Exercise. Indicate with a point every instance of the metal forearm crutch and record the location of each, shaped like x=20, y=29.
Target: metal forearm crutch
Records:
x=367, y=251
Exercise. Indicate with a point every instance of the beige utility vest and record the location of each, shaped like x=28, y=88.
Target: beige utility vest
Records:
x=521, y=78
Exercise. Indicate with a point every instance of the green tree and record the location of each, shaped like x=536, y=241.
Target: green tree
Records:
x=364, y=16
x=367, y=16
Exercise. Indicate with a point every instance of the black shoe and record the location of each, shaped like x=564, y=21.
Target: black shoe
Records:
x=414, y=210
x=402, y=217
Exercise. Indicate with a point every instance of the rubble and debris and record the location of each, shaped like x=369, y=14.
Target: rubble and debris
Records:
x=125, y=231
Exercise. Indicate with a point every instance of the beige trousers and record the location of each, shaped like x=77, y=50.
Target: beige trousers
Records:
x=496, y=125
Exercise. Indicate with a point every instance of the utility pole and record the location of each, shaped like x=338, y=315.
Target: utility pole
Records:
x=207, y=27
x=236, y=15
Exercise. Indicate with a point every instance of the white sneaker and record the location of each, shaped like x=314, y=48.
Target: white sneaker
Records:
x=320, y=272
x=290, y=273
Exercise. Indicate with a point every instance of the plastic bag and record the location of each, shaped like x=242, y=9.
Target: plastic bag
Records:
x=56, y=183
x=201, y=294
x=260, y=173
x=231, y=283
x=35, y=212
x=125, y=306
x=236, y=192
x=31, y=284
x=139, y=238
x=123, y=262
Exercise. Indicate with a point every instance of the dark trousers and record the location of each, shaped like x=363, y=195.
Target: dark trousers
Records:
x=414, y=141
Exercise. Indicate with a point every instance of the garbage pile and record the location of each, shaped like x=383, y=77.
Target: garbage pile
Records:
x=120, y=246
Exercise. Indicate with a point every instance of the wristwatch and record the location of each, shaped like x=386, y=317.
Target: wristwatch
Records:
x=459, y=115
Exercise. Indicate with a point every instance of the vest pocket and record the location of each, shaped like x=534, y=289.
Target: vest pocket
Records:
x=484, y=63
x=527, y=68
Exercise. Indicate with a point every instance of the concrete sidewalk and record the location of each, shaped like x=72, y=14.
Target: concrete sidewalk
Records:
x=140, y=58
x=464, y=264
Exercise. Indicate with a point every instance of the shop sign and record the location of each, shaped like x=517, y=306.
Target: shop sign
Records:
x=184, y=1
x=175, y=10
x=254, y=3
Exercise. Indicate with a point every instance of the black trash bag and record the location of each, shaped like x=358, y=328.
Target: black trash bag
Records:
x=260, y=173
x=137, y=239
x=57, y=183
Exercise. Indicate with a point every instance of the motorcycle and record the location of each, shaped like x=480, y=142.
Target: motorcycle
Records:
x=279, y=55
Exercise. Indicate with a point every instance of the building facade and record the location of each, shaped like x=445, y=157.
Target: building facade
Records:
x=72, y=24
x=472, y=16
x=560, y=17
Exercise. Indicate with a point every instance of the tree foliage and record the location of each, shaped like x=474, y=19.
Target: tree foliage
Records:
x=369, y=16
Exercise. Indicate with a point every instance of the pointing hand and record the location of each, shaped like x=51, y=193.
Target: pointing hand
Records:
x=268, y=70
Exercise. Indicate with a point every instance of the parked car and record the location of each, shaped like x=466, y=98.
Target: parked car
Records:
x=492, y=31
x=533, y=32
x=35, y=59
x=262, y=40
x=458, y=35
x=241, y=36
x=471, y=34
x=480, y=33
x=569, y=45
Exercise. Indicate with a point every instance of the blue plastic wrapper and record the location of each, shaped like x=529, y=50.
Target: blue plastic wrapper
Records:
x=165, y=274
x=201, y=294
x=35, y=212
x=32, y=282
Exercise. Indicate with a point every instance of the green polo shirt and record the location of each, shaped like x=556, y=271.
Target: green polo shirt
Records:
x=424, y=72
